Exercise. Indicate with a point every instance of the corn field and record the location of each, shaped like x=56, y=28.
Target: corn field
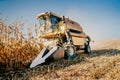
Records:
x=16, y=51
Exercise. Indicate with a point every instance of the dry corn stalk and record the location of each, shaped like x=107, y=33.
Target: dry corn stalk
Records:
x=16, y=51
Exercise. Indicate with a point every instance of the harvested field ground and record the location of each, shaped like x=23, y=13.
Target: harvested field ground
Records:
x=102, y=64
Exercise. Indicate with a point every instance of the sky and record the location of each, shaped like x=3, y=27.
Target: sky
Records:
x=100, y=19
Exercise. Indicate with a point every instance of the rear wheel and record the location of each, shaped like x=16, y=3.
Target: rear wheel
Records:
x=87, y=49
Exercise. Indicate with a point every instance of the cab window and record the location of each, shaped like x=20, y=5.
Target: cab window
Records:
x=54, y=21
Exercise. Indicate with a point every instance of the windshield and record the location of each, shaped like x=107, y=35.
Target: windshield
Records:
x=45, y=25
x=42, y=21
x=48, y=24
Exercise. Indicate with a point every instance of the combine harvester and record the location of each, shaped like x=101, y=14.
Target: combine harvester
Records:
x=61, y=38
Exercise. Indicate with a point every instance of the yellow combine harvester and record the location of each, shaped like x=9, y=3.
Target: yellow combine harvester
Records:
x=61, y=37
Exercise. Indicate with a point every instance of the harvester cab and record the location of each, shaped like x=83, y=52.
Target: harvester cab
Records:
x=61, y=38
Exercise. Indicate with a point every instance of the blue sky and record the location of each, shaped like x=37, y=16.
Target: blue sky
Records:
x=99, y=18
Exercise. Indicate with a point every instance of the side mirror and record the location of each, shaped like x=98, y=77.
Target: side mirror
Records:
x=63, y=18
x=35, y=25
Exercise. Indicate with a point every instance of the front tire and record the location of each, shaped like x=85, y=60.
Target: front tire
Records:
x=70, y=52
